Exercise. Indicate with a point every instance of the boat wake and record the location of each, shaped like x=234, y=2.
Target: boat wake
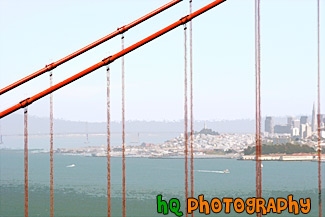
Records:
x=72, y=165
x=214, y=171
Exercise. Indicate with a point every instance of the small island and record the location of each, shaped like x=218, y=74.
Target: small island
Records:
x=283, y=152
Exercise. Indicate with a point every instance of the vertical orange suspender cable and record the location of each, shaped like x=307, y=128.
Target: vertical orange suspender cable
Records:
x=51, y=147
x=191, y=108
x=185, y=119
x=26, y=158
x=259, y=98
x=108, y=154
x=258, y=102
x=123, y=127
x=319, y=119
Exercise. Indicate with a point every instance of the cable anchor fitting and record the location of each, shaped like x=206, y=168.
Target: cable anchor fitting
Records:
x=50, y=66
x=107, y=60
x=24, y=102
x=185, y=19
x=121, y=30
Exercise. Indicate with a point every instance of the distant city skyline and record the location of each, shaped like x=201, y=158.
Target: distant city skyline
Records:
x=296, y=127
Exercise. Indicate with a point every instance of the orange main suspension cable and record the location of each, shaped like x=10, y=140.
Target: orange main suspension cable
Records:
x=123, y=127
x=108, y=149
x=185, y=119
x=88, y=47
x=109, y=59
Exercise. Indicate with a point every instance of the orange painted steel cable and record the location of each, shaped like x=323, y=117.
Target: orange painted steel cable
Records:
x=88, y=47
x=256, y=127
x=123, y=126
x=185, y=118
x=109, y=59
x=258, y=102
x=51, y=147
x=26, y=158
x=319, y=118
x=191, y=107
x=108, y=154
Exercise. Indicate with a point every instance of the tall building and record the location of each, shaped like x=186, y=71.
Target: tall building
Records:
x=290, y=121
x=269, y=125
x=282, y=129
x=322, y=121
x=303, y=119
x=322, y=118
x=296, y=123
x=308, y=131
x=305, y=131
x=295, y=132
x=314, y=120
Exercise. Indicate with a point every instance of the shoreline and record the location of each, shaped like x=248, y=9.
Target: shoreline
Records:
x=271, y=157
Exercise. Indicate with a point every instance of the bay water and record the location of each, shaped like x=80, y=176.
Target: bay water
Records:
x=81, y=190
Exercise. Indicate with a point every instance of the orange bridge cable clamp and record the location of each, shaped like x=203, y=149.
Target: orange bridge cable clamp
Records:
x=88, y=47
x=109, y=59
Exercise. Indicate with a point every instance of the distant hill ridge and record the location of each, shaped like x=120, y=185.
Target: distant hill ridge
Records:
x=13, y=125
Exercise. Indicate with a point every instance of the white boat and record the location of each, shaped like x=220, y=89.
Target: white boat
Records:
x=226, y=171
x=72, y=165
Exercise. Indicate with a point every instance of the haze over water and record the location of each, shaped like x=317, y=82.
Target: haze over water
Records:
x=81, y=190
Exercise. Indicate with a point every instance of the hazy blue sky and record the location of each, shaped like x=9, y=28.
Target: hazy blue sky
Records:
x=37, y=32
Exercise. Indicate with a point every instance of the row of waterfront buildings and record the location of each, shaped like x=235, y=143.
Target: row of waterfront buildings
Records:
x=204, y=145
x=297, y=128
